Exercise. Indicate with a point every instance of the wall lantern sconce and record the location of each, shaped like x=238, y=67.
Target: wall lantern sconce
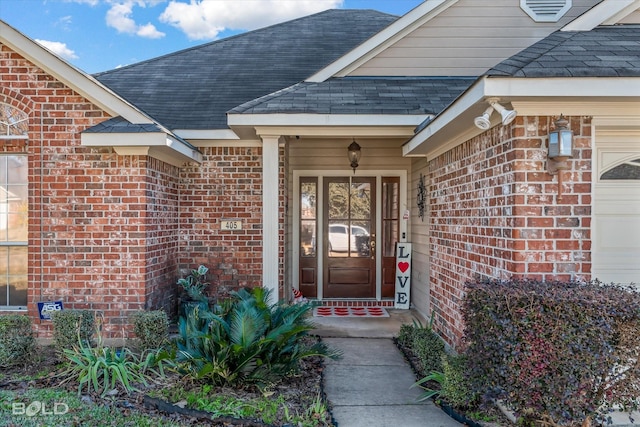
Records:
x=354, y=155
x=560, y=149
x=484, y=121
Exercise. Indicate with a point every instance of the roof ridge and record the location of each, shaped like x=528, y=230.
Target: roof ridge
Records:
x=232, y=37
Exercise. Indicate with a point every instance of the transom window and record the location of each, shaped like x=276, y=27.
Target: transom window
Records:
x=14, y=214
x=626, y=170
x=13, y=122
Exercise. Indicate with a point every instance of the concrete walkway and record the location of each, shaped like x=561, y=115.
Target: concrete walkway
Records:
x=370, y=385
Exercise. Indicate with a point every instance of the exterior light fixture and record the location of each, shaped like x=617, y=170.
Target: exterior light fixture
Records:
x=560, y=149
x=484, y=121
x=354, y=155
x=561, y=141
x=507, y=115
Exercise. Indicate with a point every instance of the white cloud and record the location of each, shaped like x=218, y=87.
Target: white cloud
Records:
x=89, y=2
x=149, y=31
x=59, y=49
x=119, y=17
x=206, y=19
x=64, y=23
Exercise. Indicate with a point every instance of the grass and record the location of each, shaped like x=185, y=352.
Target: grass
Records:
x=267, y=408
x=56, y=407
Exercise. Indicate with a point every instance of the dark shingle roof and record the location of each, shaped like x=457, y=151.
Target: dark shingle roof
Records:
x=612, y=51
x=362, y=95
x=194, y=88
x=120, y=125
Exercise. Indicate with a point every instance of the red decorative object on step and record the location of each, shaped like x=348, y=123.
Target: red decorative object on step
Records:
x=350, y=312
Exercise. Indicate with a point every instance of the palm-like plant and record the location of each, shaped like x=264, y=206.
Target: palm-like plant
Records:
x=247, y=340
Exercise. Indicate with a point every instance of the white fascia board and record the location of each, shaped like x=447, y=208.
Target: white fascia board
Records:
x=536, y=96
x=71, y=76
x=325, y=119
x=471, y=97
x=380, y=41
x=602, y=13
x=338, y=131
x=208, y=134
x=562, y=87
x=145, y=144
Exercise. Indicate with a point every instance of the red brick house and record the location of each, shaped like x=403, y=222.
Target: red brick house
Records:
x=233, y=154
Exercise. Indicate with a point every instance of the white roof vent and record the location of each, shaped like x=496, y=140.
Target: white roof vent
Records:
x=545, y=10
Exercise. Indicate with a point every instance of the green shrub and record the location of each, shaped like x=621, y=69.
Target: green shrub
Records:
x=405, y=335
x=17, y=343
x=247, y=340
x=68, y=325
x=456, y=389
x=553, y=349
x=428, y=348
x=151, y=328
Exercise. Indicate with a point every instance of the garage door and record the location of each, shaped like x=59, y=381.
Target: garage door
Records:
x=616, y=239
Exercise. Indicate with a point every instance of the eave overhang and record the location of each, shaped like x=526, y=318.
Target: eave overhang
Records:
x=158, y=145
x=361, y=125
x=530, y=97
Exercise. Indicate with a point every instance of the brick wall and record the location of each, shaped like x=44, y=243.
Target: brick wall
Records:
x=113, y=233
x=102, y=228
x=227, y=185
x=161, y=213
x=495, y=212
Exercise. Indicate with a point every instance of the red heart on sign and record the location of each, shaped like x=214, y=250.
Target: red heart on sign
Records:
x=403, y=266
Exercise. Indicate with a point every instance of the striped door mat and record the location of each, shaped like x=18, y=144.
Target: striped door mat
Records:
x=350, y=312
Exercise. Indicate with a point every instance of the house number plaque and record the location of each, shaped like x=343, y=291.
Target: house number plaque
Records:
x=231, y=224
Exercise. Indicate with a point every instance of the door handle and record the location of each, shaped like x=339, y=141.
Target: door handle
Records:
x=372, y=244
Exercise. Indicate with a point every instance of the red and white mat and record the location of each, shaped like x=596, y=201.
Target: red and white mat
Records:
x=350, y=312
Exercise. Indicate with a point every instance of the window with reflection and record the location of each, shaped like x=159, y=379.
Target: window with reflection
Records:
x=308, y=216
x=13, y=122
x=390, y=215
x=628, y=171
x=13, y=230
x=349, y=225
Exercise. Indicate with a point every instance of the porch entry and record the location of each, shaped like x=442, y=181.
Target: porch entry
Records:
x=347, y=237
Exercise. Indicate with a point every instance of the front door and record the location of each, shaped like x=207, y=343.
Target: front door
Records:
x=349, y=224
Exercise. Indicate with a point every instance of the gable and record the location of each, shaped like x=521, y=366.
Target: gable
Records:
x=465, y=39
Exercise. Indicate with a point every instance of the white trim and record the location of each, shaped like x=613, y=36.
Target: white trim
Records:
x=270, y=203
x=382, y=40
x=321, y=174
x=562, y=87
x=155, y=144
x=227, y=143
x=71, y=76
x=377, y=120
x=608, y=12
x=535, y=96
x=190, y=134
x=340, y=131
x=451, y=113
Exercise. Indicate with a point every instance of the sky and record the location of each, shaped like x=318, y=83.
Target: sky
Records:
x=100, y=35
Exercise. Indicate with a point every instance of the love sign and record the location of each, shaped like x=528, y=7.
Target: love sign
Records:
x=403, y=275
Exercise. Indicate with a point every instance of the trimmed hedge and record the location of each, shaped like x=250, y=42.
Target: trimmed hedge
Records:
x=71, y=325
x=17, y=342
x=554, y=350
x=151, y=328
x=455, y=386
x=424, y=344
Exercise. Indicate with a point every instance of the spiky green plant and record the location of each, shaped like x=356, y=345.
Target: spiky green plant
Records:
x=247, y=340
